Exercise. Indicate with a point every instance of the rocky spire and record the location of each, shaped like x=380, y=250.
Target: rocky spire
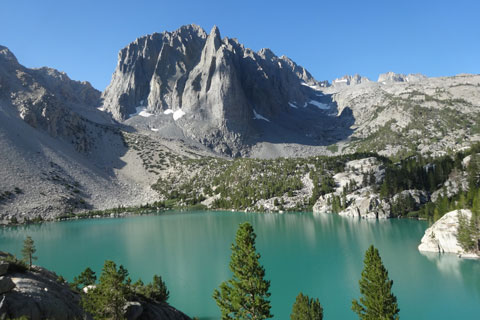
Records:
x=214, y=41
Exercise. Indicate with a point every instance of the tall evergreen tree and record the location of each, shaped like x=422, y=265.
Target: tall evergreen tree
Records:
x=468, y=233
x=107, y=300
x=306, y=308
x=245, y=296
x=28, y=251
x=377, y=301
x=464, y=233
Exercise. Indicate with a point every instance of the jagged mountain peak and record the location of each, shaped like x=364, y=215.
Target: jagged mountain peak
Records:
x=214, y=40
x=216, y=89
x=215, y=32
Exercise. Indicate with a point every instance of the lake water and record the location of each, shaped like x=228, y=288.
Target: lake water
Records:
x=321, y=256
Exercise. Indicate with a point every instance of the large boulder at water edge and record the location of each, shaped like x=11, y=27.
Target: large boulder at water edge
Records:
x=442, y=235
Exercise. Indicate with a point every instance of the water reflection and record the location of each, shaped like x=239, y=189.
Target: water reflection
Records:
x=320, y=255
x=451, y=265
x=446, y=263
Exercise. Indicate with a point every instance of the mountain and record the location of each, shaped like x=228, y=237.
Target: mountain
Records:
x=202, y=88
x=181, y=104
x=401, y=115
x=220, y=93
x=47, y=99
x=59, y=152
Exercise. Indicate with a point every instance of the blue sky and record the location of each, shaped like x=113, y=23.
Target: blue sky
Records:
x=329, y=38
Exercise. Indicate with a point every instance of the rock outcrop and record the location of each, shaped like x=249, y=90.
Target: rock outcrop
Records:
x=41, y=294
x=361, y=196
x=442, y=235
x=362, y=202
x=37, y=294
x=3, y=268
x=6, y=284
x=419, y=197
x=366, y=205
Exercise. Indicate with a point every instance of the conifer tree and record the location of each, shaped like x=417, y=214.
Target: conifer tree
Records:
x=306, y=308
x=109, y=297
x=468, y=232
x=28, y=251
x=245, y=296
x=377, y=301
x=86, y=278
x=156, y=290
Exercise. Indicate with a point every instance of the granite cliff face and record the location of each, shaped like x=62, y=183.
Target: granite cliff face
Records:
x=216, y=89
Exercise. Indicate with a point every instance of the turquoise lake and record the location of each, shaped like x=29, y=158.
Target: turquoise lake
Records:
x=322, y=256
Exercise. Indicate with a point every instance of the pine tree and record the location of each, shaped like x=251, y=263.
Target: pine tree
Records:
x=464, y=233
x=86, y=278
x=156, y=290
x=384, y=190
x=109, y=297
x=476, y=203
x=468, y=232
x=377, y=301
x=245, y=296
x=28, y=251
x=306, y=308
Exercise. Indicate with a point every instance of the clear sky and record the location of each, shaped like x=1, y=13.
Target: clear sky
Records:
x=329, y=38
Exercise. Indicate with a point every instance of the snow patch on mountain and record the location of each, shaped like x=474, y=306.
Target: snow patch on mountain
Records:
x=319, y=105
x=141, y=111
x=257, y=116
x=178, y=114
